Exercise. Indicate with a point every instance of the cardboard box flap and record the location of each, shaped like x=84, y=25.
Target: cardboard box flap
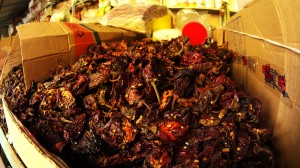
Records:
x=40, y=29
x=13, y=58
x=289, y=11
x=274, y=20
x=58, y=37
x=45, y=44
x=44, y=39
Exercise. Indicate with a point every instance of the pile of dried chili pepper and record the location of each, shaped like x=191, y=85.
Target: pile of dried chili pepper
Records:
x=144, y=104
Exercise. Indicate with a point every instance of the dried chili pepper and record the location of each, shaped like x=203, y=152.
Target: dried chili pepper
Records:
x=144, y=104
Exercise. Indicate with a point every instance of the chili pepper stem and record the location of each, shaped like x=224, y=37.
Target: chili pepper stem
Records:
x=175, y=97
x=213, y=57
x=144, y=103
x=215, y=70
x=152, y=82
x=63, y=119
x=180, y=51
x=102, y=99
x=115, y=80
x=178, y=68
x=216, y=99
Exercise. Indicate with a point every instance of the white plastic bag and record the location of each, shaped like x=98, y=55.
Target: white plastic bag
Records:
x=135, y=17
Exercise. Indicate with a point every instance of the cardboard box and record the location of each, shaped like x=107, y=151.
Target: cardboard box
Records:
x=242, y=3
x=30, y=151
x=39, y=47
x=45, y=44
x=5, y=44
x=265, y=37
x=13, y=58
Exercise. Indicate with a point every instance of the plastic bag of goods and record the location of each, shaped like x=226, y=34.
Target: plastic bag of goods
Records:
x=140, y=18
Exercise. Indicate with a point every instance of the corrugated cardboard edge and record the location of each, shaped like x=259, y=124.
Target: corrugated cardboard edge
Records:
x=29, y=150
x=9, y=152
x=265, y=31
x=5, y=45
x=218, y=36
x=13, y=58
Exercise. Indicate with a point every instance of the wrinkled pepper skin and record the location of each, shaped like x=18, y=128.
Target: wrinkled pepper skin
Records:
x=145, y=104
